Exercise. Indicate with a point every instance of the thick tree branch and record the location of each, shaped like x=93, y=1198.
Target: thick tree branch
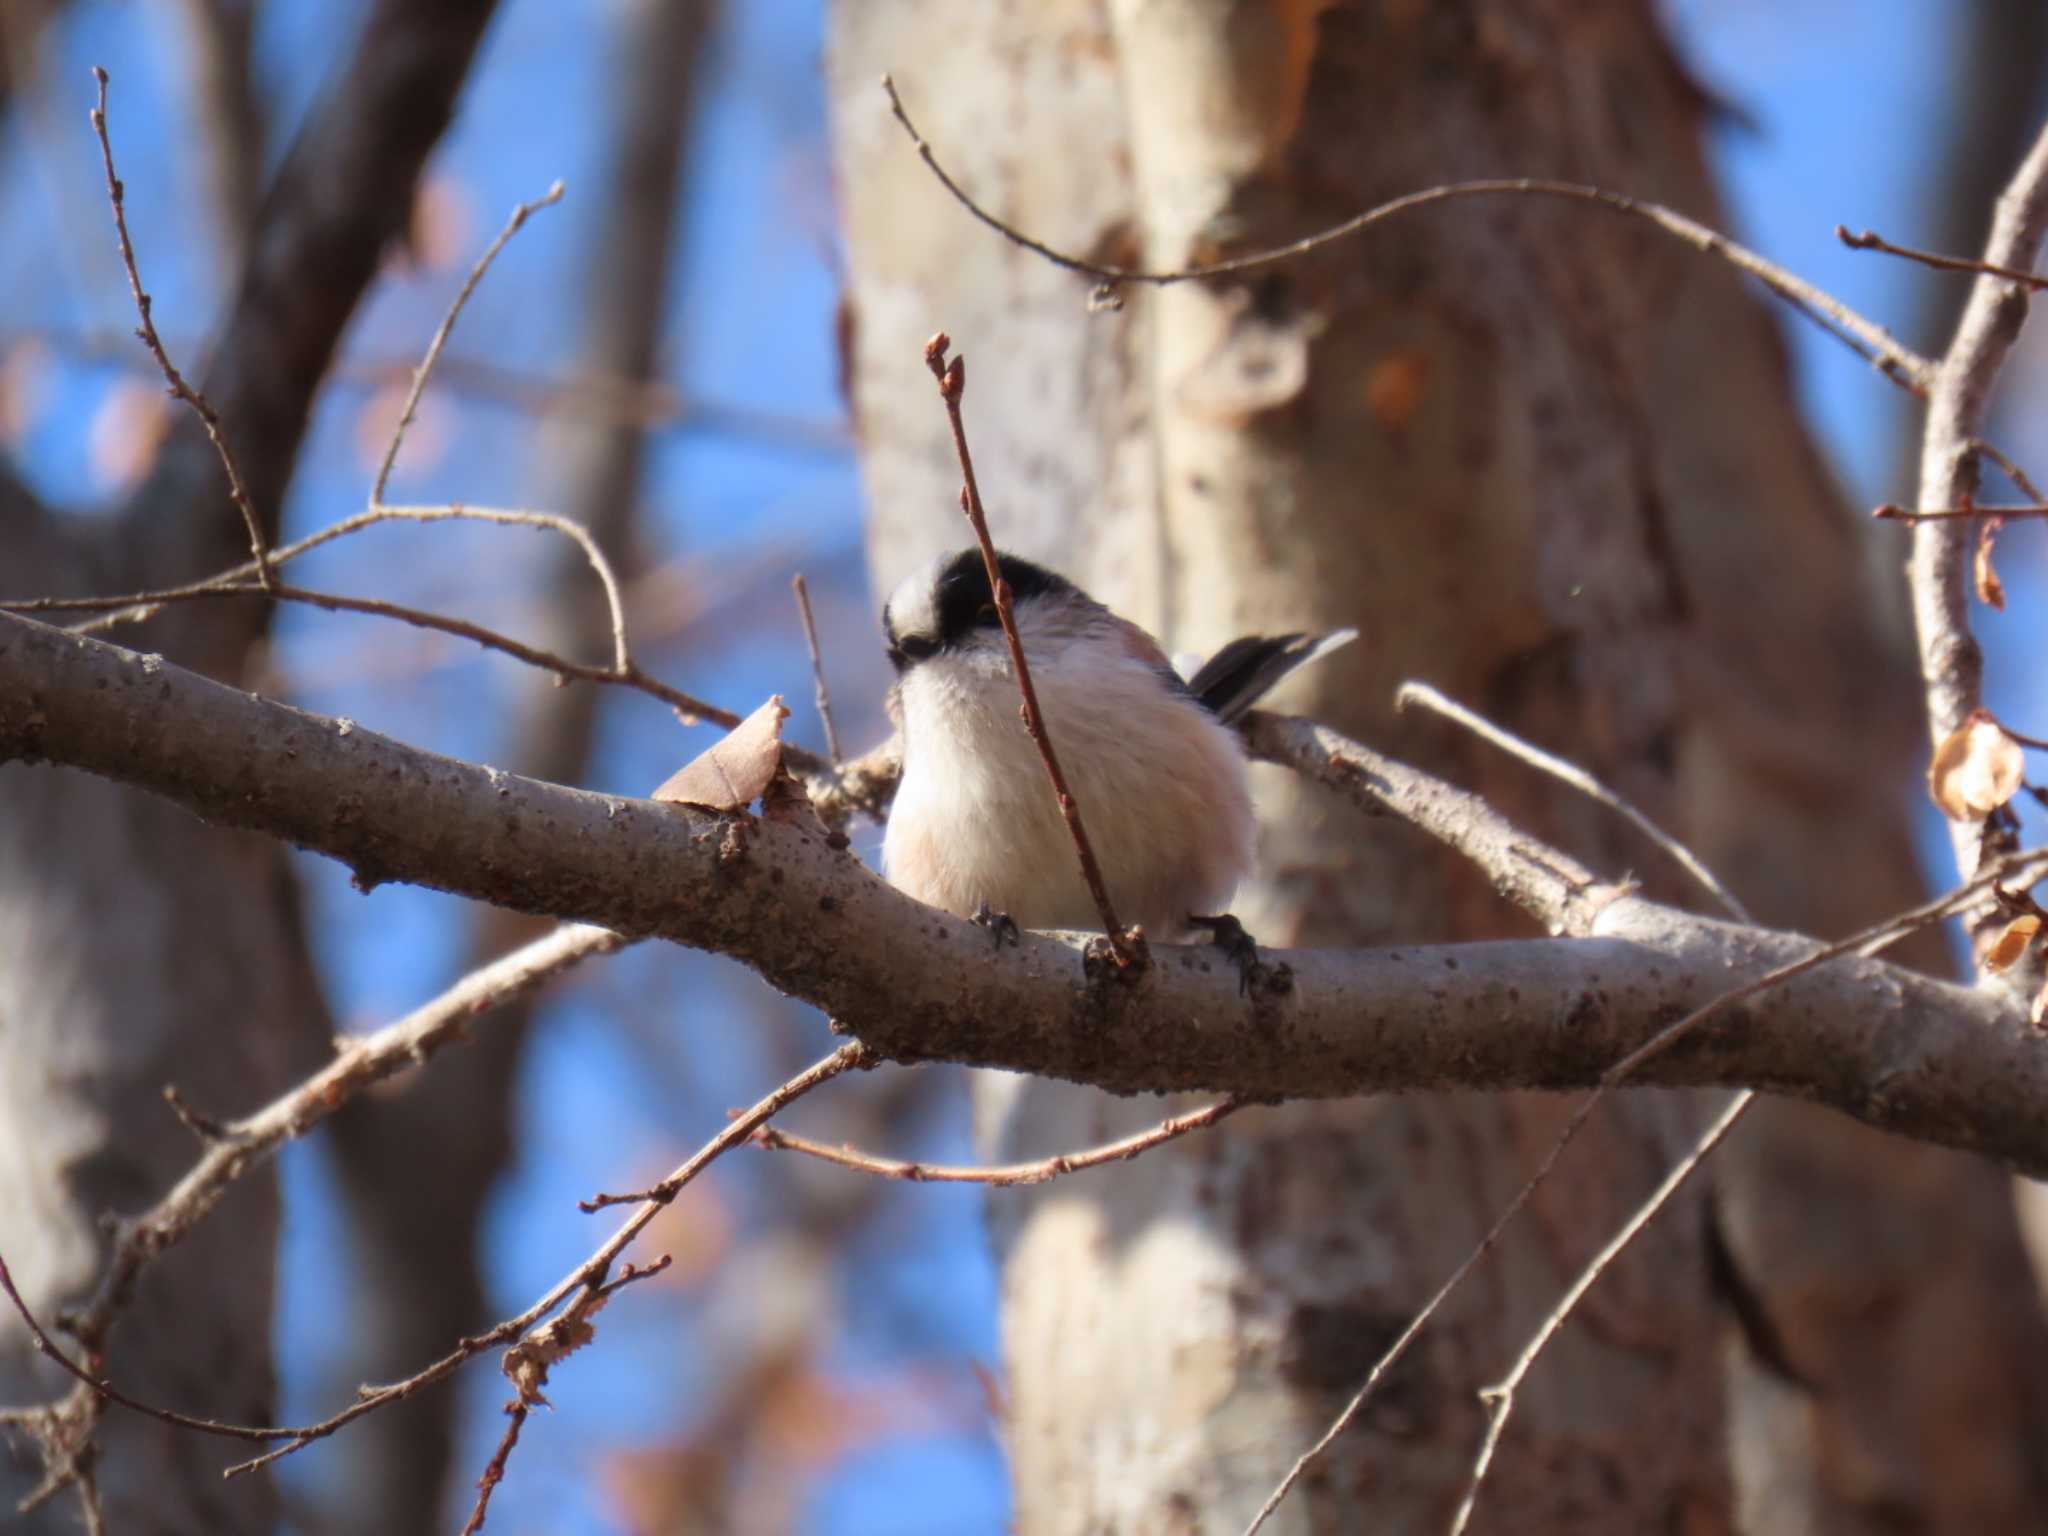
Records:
x=1924, y=1058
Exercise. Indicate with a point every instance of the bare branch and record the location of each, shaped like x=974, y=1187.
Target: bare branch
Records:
x=1500, y=1398
x=1951, y=514
x=1039, y=1171
x=527, y=1364
x=2011, y=470
x=1548, y=884
x=1870, y=241
x=341, y=196
x=1886, y=352
x=494, y=1470
x=1949, y=1064
x=952, y=381
x=824, y=694
x=1868, y=942
x=259, y=549
x=47, y=1347
x=589, y=1277
x=1577, y=777
x=236, y=1148
x=513, y=225
x=1951, y=663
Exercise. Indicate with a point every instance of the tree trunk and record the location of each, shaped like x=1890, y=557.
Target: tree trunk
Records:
x=138, y=947
x=1547, y=461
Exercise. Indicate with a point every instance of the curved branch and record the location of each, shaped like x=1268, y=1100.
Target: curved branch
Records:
x=1884, y=351
x=1928, y=1059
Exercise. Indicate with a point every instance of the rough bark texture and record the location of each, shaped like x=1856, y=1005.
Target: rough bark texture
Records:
x=1955, y=1065
x=1550, y=464
x=138, y=949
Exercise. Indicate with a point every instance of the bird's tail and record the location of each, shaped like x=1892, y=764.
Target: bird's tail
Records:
x=1244, y=671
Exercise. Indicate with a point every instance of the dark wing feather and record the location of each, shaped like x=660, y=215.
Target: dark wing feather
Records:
x=1239, y=675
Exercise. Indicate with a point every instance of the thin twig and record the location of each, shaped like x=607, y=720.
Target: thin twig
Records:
x=1577, y=777
x=1871, y=241
x=607, y=398
x=592, y=1272
x=2012, y=471
x=494, y=1470
x=528, y=1362
x=1892, y=357
x=234, y=1148
x=802, y=589
x=100, y=1387
x=1037, y=1172
x=1897, y=514
x=1869, y=941
x=259, y=547
x=623, y=672
x=1500, y=1398
x=952, y=381
x=512, y=227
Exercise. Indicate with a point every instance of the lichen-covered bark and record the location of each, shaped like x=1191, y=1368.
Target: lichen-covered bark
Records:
x=1550, y=463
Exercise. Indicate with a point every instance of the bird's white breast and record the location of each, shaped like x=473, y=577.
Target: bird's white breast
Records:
x=1160, y=782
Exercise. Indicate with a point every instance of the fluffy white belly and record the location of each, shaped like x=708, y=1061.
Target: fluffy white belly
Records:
x=1160, y=782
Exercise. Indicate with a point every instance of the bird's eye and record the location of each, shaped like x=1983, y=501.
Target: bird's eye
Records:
x=911, y=649
x=986, y=613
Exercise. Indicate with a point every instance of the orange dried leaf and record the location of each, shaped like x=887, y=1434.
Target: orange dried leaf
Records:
x=2011, y=943
x=731, y=774
x=1990, y=590
x=1976, y=770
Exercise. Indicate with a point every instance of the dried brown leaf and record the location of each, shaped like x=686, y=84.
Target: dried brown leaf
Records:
x=1976, y=770
x=2011, y=943
x=1990, y=589
x=733, y=771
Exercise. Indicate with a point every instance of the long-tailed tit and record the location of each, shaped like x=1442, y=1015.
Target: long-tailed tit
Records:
x=1153, y=760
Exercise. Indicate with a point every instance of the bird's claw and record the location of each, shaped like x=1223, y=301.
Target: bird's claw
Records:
x=1228, y=935
x=1000, y=924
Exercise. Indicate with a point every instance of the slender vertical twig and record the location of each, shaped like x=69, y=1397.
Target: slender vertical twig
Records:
x=259, y=546
x=513, y=225
x=952, y=380
x=801, y=588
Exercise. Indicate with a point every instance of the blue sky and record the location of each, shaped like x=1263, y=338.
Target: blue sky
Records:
x=1831, y=93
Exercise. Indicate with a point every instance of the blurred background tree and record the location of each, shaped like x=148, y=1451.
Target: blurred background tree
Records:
x=1538, y=457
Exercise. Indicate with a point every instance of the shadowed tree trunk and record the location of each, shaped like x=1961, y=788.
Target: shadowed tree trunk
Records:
x=137, y=947
x=1548, y=461
x=422, y=1279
